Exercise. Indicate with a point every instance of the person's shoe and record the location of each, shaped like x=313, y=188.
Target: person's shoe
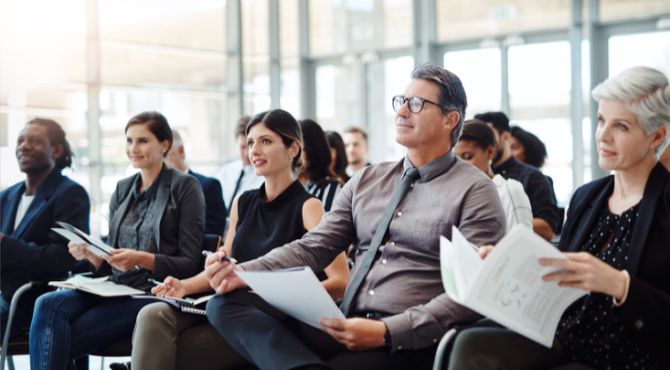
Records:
x=120, y=366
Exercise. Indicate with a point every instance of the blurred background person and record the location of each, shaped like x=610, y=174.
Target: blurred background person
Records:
x=156, y=227
x=356, y=146
x=238, y=176
x=527, y=148
x=315, y=171
x=547, y=219
x=338, y=155
x=215, y=215
x=477, y=146
x=29, y=250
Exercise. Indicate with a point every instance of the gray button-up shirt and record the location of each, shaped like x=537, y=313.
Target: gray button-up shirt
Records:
x=405, y=280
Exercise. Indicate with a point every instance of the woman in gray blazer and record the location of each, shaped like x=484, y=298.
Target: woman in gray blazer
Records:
x=156, y=226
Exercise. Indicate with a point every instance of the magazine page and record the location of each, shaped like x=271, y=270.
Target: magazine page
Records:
x=508, y=288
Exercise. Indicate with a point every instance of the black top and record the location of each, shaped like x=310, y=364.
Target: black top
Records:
x=591, y=329
x=263, y=226
x=538, y=188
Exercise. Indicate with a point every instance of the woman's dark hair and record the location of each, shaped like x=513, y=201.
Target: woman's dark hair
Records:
x=478, y=132
x=283, y=124
x=317, y=151
x=335, y=142
x=156, y=123
x=533, y=147
x=56, y=137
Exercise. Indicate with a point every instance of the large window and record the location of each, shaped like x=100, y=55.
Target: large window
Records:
x=539, y=93
x=459, y=20
x=341, y=26
x=480, y=73
x=649, y=49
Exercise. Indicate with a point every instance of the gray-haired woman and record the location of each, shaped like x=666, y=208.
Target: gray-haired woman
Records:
x=615, y=241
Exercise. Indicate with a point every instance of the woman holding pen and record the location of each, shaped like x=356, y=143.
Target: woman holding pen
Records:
x=260, y=220
x=615, y=244
x=156, y=226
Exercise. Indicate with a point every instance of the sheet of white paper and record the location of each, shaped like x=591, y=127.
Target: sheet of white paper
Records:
x=97, y=287
x=296, y=292
x=467, y=260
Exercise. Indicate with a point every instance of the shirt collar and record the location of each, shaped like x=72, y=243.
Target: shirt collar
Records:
x=434, y=168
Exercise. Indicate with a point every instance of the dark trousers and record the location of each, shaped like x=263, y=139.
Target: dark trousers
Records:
x=271, y=340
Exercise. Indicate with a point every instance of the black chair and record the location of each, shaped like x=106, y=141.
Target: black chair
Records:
x=19, y=344
x=447, y=341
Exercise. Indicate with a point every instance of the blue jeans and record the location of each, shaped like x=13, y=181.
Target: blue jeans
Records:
x=69, y=324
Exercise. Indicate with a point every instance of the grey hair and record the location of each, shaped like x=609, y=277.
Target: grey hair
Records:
x=452, y=93
x=646, y=92
x=177, y=141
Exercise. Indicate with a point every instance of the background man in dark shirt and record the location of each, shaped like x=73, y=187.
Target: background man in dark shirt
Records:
x=546, y=216
x=215, y=216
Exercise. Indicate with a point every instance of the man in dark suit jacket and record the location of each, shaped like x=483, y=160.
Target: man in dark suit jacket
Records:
x=29, y=209
x=215, y=217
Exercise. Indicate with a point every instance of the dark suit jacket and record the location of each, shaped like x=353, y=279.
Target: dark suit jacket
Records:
x=178, y=232
x=33, y=251
x=215, y=215
x=646, y=312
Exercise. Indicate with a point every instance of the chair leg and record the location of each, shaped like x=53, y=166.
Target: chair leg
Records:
x=10, y=363
x=10, y=317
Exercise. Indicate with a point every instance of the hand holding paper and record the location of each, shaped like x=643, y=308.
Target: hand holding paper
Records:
x=507, y=286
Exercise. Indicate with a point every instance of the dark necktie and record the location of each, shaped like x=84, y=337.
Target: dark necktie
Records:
x=411, y=174
x=237, y=188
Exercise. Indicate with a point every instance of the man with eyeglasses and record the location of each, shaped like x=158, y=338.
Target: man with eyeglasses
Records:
x=395, y=303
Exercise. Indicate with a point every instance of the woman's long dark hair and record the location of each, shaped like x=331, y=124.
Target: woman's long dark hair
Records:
x=335, y=142
x=317, y=152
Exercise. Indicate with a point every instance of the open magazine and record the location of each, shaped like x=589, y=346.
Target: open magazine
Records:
x=186, y=304
x=98, y=286
x=95, y=245
x=507, y=285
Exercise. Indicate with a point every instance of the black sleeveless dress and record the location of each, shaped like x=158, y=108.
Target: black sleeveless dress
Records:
x=263, y=226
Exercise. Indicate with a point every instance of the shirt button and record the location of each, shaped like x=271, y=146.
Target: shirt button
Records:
x=434, y=340
x=384, y=261
x=399, y=347
x=399, y=213
x=638, y=324
x=371, y=292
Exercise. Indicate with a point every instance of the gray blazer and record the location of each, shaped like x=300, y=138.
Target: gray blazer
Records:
x=179, y=232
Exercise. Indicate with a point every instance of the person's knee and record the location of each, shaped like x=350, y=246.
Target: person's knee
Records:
x=155, y=318
x=222, y=308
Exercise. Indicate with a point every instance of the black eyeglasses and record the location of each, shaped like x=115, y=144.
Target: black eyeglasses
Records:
x=415, y=103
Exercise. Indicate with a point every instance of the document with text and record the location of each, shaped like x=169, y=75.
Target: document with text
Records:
x=297, y=292
x=507, y=285
x=98, y=286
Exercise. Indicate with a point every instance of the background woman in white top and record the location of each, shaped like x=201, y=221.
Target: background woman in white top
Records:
x=477, y=146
